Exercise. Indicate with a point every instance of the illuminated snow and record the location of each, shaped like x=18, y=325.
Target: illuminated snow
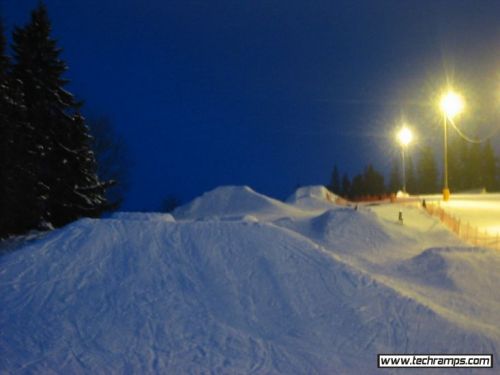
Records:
x=480, y=210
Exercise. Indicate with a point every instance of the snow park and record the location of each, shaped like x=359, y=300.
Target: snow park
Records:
x=249, y=187
x=236, y=282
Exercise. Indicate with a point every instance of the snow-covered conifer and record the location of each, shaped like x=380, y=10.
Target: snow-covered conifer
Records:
x=66, y=186
x=17, y=205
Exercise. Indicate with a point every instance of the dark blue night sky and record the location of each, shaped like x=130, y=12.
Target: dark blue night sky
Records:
x=268, y=93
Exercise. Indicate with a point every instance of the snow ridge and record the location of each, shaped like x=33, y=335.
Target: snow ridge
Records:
x=233, y=201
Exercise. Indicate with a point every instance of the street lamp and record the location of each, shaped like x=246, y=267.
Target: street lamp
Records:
x=404, y=138
x=451, y=105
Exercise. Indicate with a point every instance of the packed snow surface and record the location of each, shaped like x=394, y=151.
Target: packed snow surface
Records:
x=239, y=283
x=481, y=210
x=147, y=216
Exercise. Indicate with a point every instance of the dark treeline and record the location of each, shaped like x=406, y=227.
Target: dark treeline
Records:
x=48, y=174
x=471, y=166
x=368, y=183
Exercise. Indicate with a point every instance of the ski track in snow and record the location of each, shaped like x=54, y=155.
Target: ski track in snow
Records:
x=239, y=283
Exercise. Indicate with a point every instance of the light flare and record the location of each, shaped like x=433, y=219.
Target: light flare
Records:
x=452, y=104
x=404, y=136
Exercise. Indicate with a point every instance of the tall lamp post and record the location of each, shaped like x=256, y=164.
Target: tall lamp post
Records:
x=451, y=105
x=404, y=138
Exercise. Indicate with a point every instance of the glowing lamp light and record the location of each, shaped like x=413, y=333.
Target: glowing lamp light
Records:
x=452, y=104
x=405, y=136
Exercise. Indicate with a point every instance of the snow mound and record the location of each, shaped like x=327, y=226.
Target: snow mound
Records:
x=429, y=267
x=351, y=229
x=143, y=216
x=348, y=230
x=233, y=202
x=313, y=197
x=125, y=296
x=450, y=267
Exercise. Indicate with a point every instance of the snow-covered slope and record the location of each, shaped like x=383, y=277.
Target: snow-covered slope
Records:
x=316, y=292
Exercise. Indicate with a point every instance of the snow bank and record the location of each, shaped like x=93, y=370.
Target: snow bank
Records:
x=233, y=202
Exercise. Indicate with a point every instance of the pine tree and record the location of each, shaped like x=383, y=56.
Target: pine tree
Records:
x=427, y=172
x=66, y=185
x=395, y=182
x=358, y=187
x=335, y=181
x=17, y=205
x=373, y=181
x=370, y=182
x=457, y=154
x=6, y=135
x=346, y=186
x=473, y=166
